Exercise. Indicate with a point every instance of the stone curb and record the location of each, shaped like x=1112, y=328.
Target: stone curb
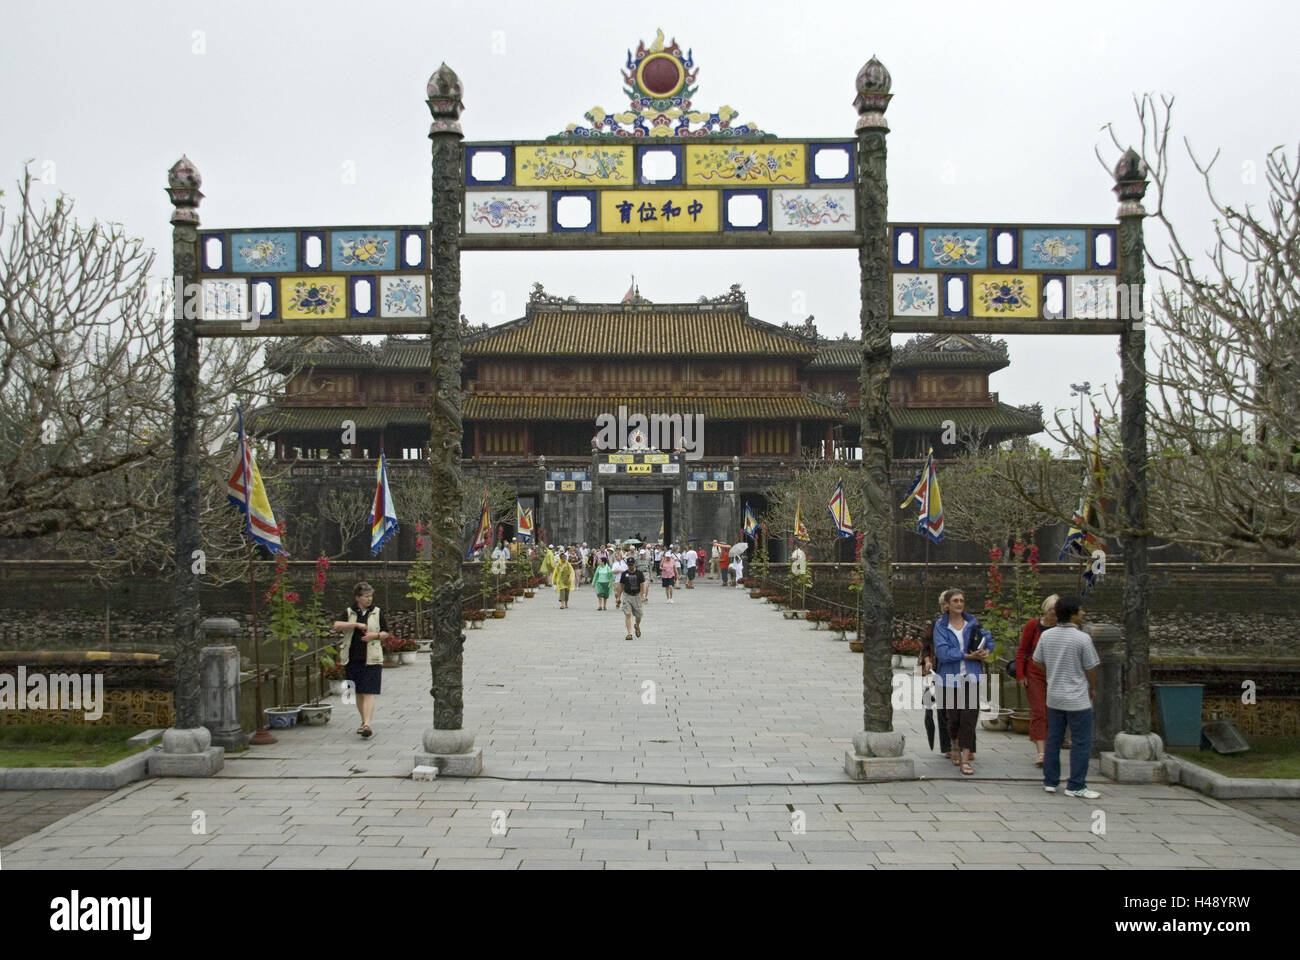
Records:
x=111, y=777
x=1216, y=785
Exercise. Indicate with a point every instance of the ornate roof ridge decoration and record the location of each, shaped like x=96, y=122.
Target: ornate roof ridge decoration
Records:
x=733, y=295
x=539, y=295
x=806, y=331
x=659, y=85
x=953, y=343
x=837, y=401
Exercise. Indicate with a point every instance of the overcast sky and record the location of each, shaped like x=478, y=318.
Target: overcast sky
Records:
x=997, y=109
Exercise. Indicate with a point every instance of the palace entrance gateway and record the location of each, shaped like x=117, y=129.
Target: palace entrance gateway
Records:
x=663, y=173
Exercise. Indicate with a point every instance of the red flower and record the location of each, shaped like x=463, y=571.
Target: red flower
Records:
x=419, y=543
x=291, y=597
x=988, y=604
x=995, y=554
x=1018, y=549
x=419, y=528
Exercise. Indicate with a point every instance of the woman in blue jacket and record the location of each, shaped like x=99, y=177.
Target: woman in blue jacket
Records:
x=960, y=648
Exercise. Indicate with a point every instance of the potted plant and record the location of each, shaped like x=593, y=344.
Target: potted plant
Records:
x=419, y=582
x=530, y=586
x=336, y=676
x=285, y=629
x=474, y=618
x=318, y=638
x=408, y=651
x=841, y=625
x=907, y=651
x=392, y=651
x=818, y=617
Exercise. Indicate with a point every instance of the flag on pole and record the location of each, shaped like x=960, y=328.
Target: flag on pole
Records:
x=750, y=526
x=245, y=490
x=523, y=521
x=839, y=508
x=926, y=492
x=1087, y=513
x=800, y=531
x=483, y=532
x=631, y=292
x=661, y=531
x=383, y=515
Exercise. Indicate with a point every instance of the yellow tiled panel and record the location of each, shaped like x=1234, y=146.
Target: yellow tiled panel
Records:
x=1004, y=295
x=320, y=297
x=659, y=211
x=770, y=165
x=578, y=166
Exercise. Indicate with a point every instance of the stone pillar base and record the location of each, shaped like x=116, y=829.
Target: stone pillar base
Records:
x=878, y=768
x=1116, y=768
x=878, y=756
x=452, y=752
x=453, y=764
x=187, y=753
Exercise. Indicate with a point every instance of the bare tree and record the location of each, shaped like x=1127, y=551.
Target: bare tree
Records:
x=85, y=395
x=1223, y=410
x=348, y=508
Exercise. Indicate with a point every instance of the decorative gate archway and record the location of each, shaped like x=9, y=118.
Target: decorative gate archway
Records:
x=663, y=174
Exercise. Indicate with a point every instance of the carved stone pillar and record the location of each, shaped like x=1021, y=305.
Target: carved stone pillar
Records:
x=446, y=745
x=877, y=753
x=187, y=749
x=1130, y=186
x=183, y=182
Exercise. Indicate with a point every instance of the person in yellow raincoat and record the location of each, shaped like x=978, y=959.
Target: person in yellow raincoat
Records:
x=564, y=580
x=548, y=565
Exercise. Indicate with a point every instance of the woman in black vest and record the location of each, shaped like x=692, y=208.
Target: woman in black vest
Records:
x=362, y=652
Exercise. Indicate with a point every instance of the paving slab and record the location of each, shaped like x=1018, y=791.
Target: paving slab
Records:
x=754, y=725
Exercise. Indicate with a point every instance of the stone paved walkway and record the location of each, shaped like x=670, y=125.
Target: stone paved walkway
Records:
x=715, y=741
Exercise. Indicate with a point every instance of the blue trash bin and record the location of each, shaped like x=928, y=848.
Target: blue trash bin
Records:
x=1179, y=706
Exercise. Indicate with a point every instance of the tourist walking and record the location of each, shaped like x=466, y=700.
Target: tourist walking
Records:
x=362, y=652
x=636, y=588
x=618, y=567
x=1031, y=677
x=928, y=664
x=548, y=566
x=1071, y=662
x=737, y=569
x=563, y=580
x=691, y=561
x=960, y=647
x=601, y=578
x=724, y=561
x=714, y=557
x=668, y=573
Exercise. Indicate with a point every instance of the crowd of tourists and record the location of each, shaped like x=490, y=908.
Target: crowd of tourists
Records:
x=626, y=570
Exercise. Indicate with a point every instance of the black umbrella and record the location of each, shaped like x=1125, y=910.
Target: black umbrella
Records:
x=927, y=701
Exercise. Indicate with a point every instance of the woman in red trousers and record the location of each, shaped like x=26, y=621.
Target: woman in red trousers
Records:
x=1031, y=677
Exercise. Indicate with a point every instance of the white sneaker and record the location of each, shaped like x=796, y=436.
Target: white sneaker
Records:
x=670, y=601
x=1050, y=790
x=1085, y=793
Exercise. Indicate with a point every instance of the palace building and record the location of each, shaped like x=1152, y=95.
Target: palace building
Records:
x=621, y=420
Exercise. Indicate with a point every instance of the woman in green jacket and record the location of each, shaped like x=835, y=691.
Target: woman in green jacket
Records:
x=602, y=579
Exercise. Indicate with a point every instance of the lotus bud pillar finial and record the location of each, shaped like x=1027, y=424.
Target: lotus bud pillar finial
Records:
x=873, y=97
x=183, y=182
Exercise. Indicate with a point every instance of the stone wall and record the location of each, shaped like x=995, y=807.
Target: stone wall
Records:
x=137, y=688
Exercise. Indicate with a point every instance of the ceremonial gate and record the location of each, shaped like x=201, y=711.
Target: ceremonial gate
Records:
x=663, y=174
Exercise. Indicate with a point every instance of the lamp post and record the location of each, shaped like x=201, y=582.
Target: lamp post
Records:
x=1081, y=390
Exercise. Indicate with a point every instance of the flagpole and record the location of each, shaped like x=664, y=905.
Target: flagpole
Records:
x=925, y=575
x=263, y=736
